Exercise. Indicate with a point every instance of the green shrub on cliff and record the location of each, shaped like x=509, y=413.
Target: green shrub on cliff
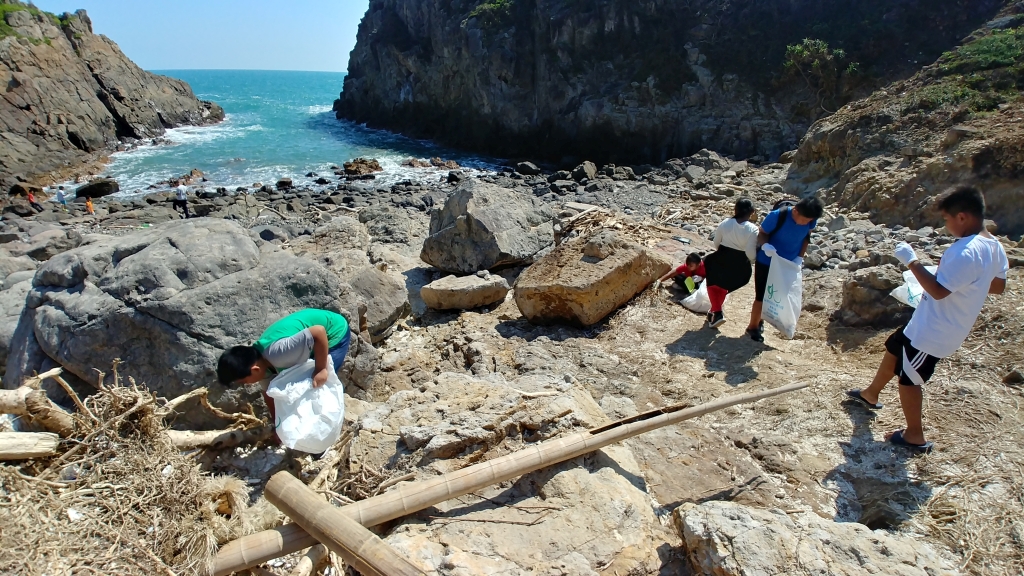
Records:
x=492, y=12
x=820, y=66
x=7, y=8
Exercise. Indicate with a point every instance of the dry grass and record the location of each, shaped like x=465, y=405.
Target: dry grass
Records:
x=119, y=499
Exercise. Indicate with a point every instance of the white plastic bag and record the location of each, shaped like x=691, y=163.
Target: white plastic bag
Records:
x=308, y=419
x=911, y=291
x=698, y=301
x=783, y=295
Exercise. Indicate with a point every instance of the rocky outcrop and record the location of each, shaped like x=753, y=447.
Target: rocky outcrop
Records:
x=581, y=282
x=729, y=539
x=166, y=301
x=626, y=81
x=483, y=226
x=466, y=293
x=953, y=123
x=72, y=95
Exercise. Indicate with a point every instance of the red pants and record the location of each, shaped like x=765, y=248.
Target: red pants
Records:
x=717, y=296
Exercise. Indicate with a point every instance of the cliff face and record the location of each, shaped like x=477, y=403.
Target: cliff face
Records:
x=628, y=80
x=957, y=121
x=72, y=95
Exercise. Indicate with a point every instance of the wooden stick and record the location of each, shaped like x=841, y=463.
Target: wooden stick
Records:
x=25, y=445
x=412, y=497
x=187, y=439
x=360, y=548
x=311, y=561
x=74, y=397
x=27, y=401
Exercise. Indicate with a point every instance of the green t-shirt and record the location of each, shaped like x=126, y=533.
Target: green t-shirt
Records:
x=335, y=325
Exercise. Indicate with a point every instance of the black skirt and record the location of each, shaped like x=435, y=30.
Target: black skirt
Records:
x=727, y=268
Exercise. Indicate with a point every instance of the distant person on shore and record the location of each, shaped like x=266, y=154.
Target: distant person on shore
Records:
x=181, y=200
x=309, y=333
x=32, y=202
x=785, y=232
x=62, y=199
x=729, y=266
x=971, y=268
x=692, y=269
x=88, y=207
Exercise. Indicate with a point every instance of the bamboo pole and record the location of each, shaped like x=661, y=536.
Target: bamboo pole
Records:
x=414, y=496
x=360, y=548
x=25, y=445
x=310, y=561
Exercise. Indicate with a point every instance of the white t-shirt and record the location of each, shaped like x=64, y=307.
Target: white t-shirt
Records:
x=737, y=236
x=182, y=193
x=967, y=268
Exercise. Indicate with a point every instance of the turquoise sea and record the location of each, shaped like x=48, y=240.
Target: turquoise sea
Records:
x=278, y=124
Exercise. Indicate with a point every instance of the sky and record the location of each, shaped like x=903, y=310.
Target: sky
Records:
x=314, y=35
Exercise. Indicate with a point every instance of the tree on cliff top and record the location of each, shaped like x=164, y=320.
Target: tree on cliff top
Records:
x=819, y=66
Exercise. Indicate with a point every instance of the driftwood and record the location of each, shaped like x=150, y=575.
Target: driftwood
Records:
x=360, y=548
x=216, y=439
x=24, y=445
x=310, y=561
x=32, y=403
x=415, y=496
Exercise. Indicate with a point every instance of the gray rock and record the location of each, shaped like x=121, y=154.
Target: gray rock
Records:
x=17, y=277
x=866, y=299
x=585, y=171
x=166, y=301
x=466, y=293
x=12, y=302
x=838, y=223
x=97, y=188
x=45, y=245
x=271, y=233
x=527, y=169
x=483, y=226
x=11, y=264
x=693, y=173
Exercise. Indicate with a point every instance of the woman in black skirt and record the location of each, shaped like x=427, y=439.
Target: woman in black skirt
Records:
x=729, y=266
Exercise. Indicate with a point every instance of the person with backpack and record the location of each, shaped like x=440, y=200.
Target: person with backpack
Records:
x=728, y=268
x=785, y=232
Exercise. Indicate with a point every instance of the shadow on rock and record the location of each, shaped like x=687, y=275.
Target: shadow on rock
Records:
x=720, y=353
x=874, y=487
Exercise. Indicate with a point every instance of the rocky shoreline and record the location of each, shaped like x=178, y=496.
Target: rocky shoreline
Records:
x=83, y=290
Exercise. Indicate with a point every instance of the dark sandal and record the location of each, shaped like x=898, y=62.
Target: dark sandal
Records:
x=855, y=394
x=897, y=439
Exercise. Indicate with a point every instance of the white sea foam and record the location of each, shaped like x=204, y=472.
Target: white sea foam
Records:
x=314, y=110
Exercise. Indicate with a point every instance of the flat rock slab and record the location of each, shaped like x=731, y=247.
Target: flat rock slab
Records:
x=583, y=281
x=729, y=539
x=465, y=293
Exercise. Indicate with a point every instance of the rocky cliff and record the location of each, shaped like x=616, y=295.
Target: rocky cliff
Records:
x=71, y=95
x=629, y=81
x=957, y=121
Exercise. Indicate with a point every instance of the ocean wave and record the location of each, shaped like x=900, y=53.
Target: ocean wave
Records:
x=319, y=109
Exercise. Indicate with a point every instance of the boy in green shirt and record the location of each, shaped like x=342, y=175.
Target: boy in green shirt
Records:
x=309, y=333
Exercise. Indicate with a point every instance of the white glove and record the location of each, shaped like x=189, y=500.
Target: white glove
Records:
x=657, y=284
x=769, y=250
x=905, y=253
x=799, y=261
x=697, y=279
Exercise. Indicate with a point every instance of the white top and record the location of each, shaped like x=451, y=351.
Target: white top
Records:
x=182, y=193
x=737, y=236
x=60, y=195
x=967, y=268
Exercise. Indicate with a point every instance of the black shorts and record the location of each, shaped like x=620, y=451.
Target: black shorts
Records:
x=913, y=367
x=760, y=281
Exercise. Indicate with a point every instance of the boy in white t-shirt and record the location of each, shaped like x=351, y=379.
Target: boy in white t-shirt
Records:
x=973, y=267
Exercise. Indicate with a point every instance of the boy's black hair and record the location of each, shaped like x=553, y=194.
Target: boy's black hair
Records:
x=693, y=258
x=963, y=199
x=744, y=208
x=810, y=207
x=236, y=364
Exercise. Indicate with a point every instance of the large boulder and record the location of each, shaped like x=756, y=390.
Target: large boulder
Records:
x=46, y=244
x=166, y=301
x=866, y=299
x=363, y=166
x=12, y=302
x=583, y=281
x=730, y=539
x=465, y=293
x=483, y=226
x=10, y=264
x=98, y=188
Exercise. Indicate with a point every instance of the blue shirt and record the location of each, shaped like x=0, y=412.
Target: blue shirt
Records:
x=788, y=240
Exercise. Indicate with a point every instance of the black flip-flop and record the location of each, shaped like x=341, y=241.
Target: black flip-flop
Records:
x=897, y=439
x=855, y=394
